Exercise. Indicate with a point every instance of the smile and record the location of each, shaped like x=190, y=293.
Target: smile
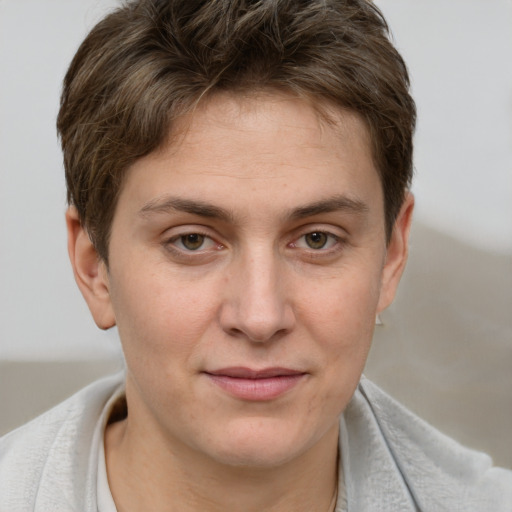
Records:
x=256, y=385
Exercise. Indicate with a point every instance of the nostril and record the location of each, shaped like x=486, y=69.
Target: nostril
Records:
x=255, y=337
x=236, y=333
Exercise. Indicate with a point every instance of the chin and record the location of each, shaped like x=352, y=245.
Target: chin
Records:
x=262, y=444
x=256, y=457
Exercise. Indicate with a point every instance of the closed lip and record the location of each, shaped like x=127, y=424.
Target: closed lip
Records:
x=258, y=385
x=240, y=372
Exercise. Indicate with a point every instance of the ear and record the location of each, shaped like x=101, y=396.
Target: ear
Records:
x=396, y=254
x=90, y=271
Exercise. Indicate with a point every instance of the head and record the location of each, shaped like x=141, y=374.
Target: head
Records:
x=238, y=177
x=151, y=62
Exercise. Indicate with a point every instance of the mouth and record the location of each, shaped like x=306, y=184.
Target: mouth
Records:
x=256, y=385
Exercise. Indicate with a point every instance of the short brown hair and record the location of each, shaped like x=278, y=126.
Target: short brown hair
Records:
x=151, y=61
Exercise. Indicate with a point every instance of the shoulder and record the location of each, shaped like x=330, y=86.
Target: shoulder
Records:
x=437, y=472
x=42, y=456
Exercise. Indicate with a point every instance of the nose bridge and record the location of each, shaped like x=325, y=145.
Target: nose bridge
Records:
x=257, y=305
x=262, y=282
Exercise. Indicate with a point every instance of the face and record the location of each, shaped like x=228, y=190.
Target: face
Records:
x=247, y=263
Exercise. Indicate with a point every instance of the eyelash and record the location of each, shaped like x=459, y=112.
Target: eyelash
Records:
x=330, y=238
x=181, y=239
x=337, y=245
x=335, y=242
x=184, y=253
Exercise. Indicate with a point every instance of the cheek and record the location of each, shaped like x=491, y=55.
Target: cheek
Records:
x=159, y=315
x=342, y=311
x=341, y=320
x=161, y=327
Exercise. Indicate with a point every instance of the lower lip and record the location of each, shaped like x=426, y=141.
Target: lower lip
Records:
x=257, y=389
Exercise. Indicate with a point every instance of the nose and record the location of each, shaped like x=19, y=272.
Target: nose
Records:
x=256, y=304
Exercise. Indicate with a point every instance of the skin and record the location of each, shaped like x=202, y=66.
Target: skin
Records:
x=286, y=266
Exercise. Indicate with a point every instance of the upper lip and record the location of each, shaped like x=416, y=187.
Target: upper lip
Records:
x=240, y=372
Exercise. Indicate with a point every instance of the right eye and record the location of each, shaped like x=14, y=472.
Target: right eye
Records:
x=191, y=242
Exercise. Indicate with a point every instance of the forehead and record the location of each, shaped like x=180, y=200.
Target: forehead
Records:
x=266, y=119
x=268, y=148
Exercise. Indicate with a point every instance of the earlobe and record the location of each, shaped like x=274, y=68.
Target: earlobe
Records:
x=90, y=271
x=396, y=255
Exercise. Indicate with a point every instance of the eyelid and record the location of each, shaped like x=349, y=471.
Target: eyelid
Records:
x=331, y=230
x=331, y=236
x=176, y=233
x=207, y=242
x=338, y=235
x=187, y=229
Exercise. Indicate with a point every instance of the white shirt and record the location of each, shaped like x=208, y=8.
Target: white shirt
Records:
x=104, y=496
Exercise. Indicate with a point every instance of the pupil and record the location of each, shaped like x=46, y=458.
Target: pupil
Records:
x=192, y=241
x=316, y=240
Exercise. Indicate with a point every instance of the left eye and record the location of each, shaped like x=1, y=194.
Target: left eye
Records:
x=193, y=242
x=316, y=240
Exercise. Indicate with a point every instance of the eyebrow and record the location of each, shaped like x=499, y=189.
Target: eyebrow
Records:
x=333, y=204
x=170, y=204
x=178, y=204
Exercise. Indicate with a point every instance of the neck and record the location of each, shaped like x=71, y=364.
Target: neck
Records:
x=148, y=476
